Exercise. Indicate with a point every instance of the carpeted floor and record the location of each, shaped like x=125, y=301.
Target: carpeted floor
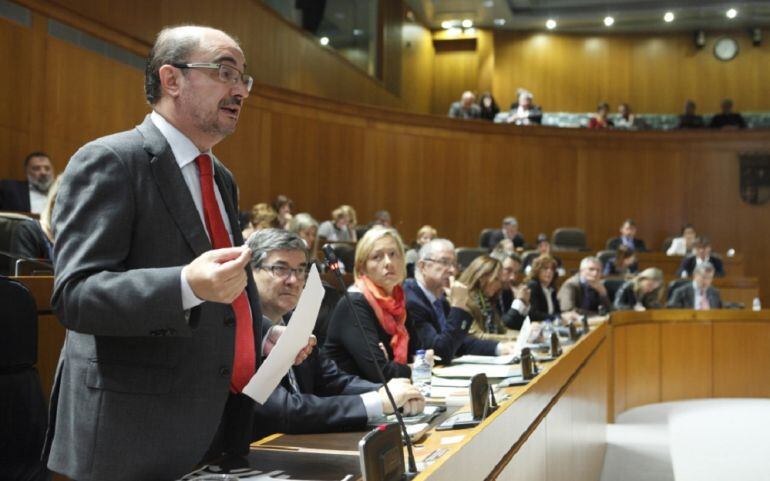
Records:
x=701, y=440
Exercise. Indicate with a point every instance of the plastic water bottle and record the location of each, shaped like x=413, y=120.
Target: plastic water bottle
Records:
x=756, y=305
x=547, y=330
x=421, y=373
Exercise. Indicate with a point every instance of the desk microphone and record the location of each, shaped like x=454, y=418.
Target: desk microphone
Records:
x=331, y=261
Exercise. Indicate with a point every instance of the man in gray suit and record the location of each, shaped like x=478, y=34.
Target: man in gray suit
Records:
x=163, y=322
x=698, y=294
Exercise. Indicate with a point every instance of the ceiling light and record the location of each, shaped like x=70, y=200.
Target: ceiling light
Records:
x=324, y=41
x=732, y=13
x=669, y=17
x=550, y=24
x=499, y=22
x=454, y=31
x=467, y=23
x=608, y=21
x=447, y=24
x=489, y=4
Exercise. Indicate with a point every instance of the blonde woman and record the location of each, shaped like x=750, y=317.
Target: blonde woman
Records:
x=378, y=299
x=341, y=227
x=644, y=291
x=484, y=279
x=425, y=234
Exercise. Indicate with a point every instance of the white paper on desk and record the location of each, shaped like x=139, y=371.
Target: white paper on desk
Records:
x=293, y=338
x=476, y=359
x=521, y=340
x=470, y=370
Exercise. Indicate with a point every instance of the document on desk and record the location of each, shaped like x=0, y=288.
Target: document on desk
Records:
x=476, y=359
x=521, y=340
x=470, y=370
x=293, y=338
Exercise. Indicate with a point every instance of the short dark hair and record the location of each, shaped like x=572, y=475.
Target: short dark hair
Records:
x=33, y=155
x=629, y=222
x=170, y=47
x=702, y=242
x=264, y=241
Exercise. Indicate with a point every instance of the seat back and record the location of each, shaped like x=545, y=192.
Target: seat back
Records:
x=667, y=243
x=569, y=239
x=484, y=237
x=605, y=256
x=8, y=223
x=18, y=324
x=612, y=285
x=674, y=285
x=465, y=255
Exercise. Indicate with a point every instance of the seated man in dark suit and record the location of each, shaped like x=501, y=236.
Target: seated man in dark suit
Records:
x=314, y=396
x=30, y=195
x=627, y=238
x=698, y=294
x=727, y=119
x=513, y=301
x=510, y=230
x=440, y=320
x=702, y=254
x=584, y=292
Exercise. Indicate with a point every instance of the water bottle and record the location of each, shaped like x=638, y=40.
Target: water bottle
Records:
x=421, y=373
x=547, y=330
x=756, y=305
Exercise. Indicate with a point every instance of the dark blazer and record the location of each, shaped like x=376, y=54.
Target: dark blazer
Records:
x=535, y=114
x=538, y=305
x=688, y=265
x=684, y=297
x=572, y=292
x=446, y=343
x=724, y=120
x=625, y=299
x=615, y=242
x=142, y=389
x=14, y=195
x=345, y=347
x=498, y=235
x=512, y=318
x=29, y=241
x=611, y=268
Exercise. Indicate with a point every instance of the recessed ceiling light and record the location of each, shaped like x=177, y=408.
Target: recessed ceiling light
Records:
x=669, y=17
x=732, y=13
x=489, y=4
x=324, y=41
x=550, y=24
x=447, y=24
x=608, y=21
x=499, y=22
x=467, y=23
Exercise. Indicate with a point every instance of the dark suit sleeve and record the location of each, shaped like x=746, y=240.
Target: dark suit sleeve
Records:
x=678, y=300
x=684, y=266
x=94, y=293
x=27, y=241
x=625, y=299
x=719, y=267
x=444, y=343
x=640, y=245
x=715, y=300
x=612, y=244
x=513, y=319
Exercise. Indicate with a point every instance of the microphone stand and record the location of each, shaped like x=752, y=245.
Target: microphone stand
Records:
x=331, y=261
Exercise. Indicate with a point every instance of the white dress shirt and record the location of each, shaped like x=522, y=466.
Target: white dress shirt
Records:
x=37, y=200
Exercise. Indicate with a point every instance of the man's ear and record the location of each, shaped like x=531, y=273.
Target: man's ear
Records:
x=170, y=78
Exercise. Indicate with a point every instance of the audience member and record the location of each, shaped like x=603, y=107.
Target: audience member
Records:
x=339, y=229
x=378, y=298
x=627, y=238
x=584, y=292
x=627, y=120
x=623, y=264
x=544, y=304
x=543, y=248
x=283, y=207
x=601, y=119
x=513, y=302
x=466, y=107
x=502, y=249
x=702, y=246
x=314, y=396
x=644, y=291
x=382, y=219
x=263, y=216
x=425, y=234
x=698, y=294
x=488, y=106
x=438, y=306
x=689, y=119
x=305, y=226
x=510, y=231
x=523, y=111
x=727, y=119
x=483, y=277
x=683, y=245
x=30, y=195
x=33, y=239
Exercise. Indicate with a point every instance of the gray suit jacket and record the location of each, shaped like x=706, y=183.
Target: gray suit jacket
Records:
x=141, y=391
x=684, y=298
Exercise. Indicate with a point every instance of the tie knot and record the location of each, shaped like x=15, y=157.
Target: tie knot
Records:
x=203, y=162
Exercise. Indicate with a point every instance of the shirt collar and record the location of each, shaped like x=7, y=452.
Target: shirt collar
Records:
x=431, y=297
x=183, y=148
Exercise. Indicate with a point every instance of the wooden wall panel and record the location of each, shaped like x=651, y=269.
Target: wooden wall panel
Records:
x=686, y=361
x=455, y=70
x=642, y=365
x=741, y=360
x=654, y=73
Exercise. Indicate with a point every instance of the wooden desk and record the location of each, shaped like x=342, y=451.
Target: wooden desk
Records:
x=667, y=355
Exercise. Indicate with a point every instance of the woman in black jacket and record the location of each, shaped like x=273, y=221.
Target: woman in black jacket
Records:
x=644, y=291
x=542, y=285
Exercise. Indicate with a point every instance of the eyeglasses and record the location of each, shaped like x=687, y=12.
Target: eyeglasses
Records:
x=443, y=262
x=227, y=73
x=283, y=272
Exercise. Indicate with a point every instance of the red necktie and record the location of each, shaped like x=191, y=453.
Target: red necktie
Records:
x=245, y=357
x=704, y=301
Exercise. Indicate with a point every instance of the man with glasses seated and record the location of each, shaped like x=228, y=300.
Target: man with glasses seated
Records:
x=314, y=396
x=438, y=306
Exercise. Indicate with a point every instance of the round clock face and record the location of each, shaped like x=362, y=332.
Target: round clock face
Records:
x=726, y=48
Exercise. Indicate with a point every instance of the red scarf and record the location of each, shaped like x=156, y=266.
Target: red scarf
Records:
x=390, y=312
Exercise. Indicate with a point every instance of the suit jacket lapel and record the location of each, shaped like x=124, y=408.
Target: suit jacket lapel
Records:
x=225, y=188
x=173, y=189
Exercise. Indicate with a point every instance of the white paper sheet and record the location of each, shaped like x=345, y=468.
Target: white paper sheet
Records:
x=524, y=333
x=470, y=370
x=293, y=338
x=475, y=359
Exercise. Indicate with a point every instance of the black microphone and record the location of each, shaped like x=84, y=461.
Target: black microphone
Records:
x=334, y=266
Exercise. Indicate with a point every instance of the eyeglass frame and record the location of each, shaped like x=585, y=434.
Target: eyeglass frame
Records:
x=246, y=79
x=443, y=262
x=289, y=271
